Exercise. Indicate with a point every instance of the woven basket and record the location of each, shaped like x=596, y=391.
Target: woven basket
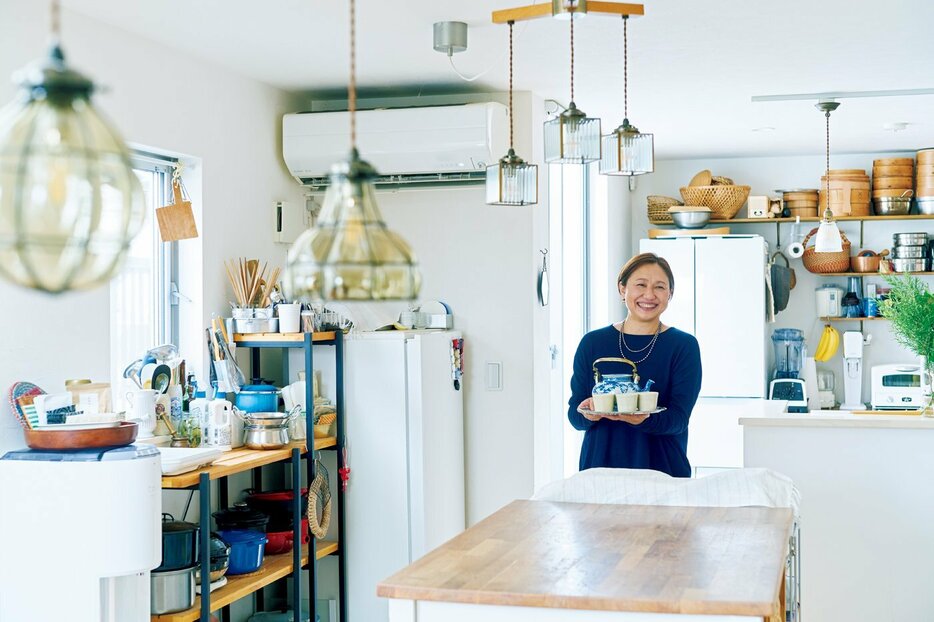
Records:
x=658, y=209
x=723, y=201
x=822, y=263
x=718, y=180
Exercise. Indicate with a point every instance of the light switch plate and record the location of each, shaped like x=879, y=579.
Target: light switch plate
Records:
x=288, y=221
x=494, y=376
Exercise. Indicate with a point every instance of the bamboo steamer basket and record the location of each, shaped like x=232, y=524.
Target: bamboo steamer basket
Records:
x=800, y=204
x=926, y=156
x=849, y=193
x=803, y=212
x=894, y=162
x=925, y=170
x=892, y=171
x=800, y=195
x=893, y=183
x=658, y=209
x=822, y=263
x=879, y=194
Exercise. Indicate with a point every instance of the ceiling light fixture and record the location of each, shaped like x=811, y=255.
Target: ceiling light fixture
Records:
x=627, y=151
x=511, y=181
x=70, y=203
x=572, y=137
x=828, y=234
x=842, y=95
x=350, y=253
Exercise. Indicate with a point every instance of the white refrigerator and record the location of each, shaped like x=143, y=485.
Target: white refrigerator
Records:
x=405, y=441
x=719, y=297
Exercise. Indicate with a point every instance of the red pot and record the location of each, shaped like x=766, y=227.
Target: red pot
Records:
x=281, y=541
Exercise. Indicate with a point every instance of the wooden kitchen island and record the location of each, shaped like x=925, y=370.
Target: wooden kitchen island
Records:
x=549, y=562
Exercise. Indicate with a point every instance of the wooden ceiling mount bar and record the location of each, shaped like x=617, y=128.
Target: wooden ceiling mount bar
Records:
x=534, y=11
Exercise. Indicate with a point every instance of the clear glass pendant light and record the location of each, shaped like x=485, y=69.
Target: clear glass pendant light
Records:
x=828, y=238
x=572, y=137
x=350, y=253
x=70, y=204
x=511, y=181
x=626, y=150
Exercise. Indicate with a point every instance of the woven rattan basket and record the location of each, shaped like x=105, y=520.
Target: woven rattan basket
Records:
x=723, y=201
x=822, y=263
x=658, y=209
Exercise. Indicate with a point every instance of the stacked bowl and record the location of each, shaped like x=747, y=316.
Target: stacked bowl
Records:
x=910, y=252
x=925, y=181
x=892, y=186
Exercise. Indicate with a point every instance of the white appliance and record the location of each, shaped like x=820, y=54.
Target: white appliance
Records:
x=719, y=297
x=829, y=301
x=897, y=387
x=852, y=370
x=792, y=390
x=406, y=145
x=82, y=534
x=405, y=442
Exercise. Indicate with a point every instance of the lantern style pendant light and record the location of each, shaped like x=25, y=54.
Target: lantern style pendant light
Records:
x=572, y=137
x=70, y=203
x=627, y=151
x=511, y=181
x=828, y=234
x=350, y=253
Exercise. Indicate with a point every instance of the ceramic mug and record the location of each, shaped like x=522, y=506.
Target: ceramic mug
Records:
x=289, y=317
x=604, y=402
x=143, y=409
x=648, y=401
x=627, y=402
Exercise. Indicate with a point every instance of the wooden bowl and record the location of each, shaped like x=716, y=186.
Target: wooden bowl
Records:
x=865, y=263
x=55, y=440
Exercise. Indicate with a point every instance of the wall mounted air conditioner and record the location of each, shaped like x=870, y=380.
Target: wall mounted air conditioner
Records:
x=407, y=146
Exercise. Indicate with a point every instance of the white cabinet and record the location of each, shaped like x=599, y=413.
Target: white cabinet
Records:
x=719, y=297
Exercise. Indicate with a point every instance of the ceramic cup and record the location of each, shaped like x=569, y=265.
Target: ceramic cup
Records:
x=289, y=317
x=143, y=408
x=603, y=402
x=648, y=401
x=627, y=402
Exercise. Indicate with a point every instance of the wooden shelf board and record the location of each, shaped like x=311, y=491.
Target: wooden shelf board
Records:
x=852, y=319
x=274, y=568
x=279, y=338
x=879, y=274
x=239, y=460
x=768, y=221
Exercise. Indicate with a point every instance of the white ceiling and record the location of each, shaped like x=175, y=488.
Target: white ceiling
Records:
x=693, y=65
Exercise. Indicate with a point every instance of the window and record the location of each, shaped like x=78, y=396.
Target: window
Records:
x=141, y=310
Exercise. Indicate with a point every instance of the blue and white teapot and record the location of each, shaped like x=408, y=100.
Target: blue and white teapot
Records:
x=607, y=387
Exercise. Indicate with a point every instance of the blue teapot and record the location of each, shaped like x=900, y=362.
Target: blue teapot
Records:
x=608, y=386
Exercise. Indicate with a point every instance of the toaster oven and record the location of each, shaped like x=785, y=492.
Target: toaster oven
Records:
x=897, y=387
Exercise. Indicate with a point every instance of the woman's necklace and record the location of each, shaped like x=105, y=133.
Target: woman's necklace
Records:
x=649, y=347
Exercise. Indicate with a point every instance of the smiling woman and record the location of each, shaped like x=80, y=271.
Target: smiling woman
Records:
x=670, y=358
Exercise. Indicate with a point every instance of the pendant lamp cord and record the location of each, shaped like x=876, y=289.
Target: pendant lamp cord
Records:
x=828, y=214
x=572, y=55
x=626, y=67
x=352, y=87
x=511, y=22
x=56, y=20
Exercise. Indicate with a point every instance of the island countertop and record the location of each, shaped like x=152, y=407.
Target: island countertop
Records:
x=690, y=560
x=843, y=419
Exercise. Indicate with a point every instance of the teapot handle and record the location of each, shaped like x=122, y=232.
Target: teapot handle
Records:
x=614, y=359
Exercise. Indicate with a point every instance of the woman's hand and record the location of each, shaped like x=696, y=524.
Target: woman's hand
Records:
x=588, y=405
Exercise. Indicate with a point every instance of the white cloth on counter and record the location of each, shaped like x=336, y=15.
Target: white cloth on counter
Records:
x=734, y=488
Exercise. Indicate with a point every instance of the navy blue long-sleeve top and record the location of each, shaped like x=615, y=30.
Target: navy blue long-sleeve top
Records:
x=660, y=442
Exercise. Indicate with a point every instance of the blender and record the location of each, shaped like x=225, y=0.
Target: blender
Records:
x=789, y=358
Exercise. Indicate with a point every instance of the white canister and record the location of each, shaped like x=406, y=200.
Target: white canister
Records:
x=218, y=432
x=290, y=315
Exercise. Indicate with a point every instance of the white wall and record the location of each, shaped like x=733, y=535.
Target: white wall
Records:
x=765, y=175
x=225, y=125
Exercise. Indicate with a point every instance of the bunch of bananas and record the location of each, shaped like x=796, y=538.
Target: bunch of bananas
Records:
x=828, y=345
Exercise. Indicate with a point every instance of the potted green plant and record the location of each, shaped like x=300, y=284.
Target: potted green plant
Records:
x=910, y=310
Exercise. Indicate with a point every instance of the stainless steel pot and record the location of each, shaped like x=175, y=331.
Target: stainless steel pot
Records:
x=891, y=206
x=172, y=591
x=910, y=239
x=910, y=265
x=925, y=205
x=910, y=252
x=266, y=430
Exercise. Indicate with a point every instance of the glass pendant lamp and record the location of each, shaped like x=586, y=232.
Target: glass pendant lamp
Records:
x=828, y=238
x=626, y=150
x=572, y=137
x=511, y=181
x=70, y=203
x=350, y=254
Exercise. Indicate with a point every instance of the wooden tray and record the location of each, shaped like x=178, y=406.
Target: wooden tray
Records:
x=124, y=434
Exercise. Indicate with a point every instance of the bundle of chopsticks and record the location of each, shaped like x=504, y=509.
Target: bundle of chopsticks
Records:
x=249, y=283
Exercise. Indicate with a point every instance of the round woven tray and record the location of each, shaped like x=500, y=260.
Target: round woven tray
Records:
x=658, y=208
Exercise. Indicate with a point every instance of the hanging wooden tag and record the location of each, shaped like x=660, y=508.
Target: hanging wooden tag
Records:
x=177, y=221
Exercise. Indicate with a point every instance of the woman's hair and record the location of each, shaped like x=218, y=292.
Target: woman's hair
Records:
x=644, y=259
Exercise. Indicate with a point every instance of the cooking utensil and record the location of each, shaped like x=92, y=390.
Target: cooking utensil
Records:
x=690, y=219
x=277, y=504
x=257, y=398
x=892, y=206
x=925, y=205
x=239, y=516
x=246, y=550
x=179, y=544
x=910, y=265
x=131, y=372
x=910, y=239
x=781, y=281
x=172, y=591
x=161, y=378
x=124, y=434
x=910, y=252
